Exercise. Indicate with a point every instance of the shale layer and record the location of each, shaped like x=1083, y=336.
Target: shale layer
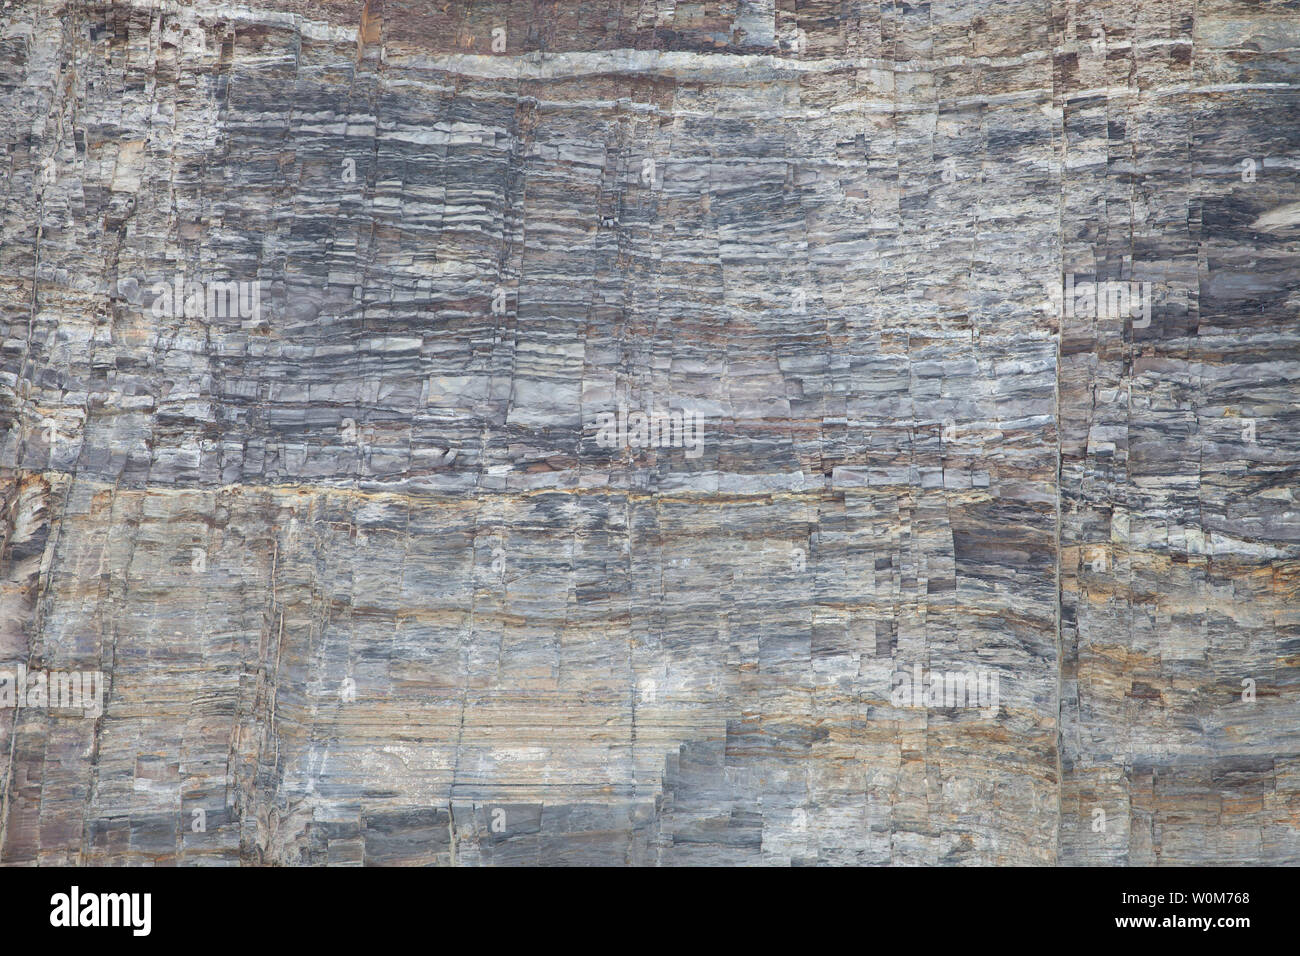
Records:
x=365, y=587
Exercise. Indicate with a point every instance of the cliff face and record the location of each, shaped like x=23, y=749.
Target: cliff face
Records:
x=325, y=333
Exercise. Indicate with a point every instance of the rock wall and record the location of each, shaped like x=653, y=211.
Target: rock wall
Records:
x=315, y=320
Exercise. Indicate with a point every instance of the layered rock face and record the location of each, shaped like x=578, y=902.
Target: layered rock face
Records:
x=516, y=433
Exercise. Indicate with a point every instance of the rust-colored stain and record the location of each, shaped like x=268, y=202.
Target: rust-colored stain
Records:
x=371, y=29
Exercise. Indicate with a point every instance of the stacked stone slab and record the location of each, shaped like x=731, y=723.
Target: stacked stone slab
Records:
x=366, y=589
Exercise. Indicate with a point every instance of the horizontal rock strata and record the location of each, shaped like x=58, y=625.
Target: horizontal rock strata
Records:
x=310, y=316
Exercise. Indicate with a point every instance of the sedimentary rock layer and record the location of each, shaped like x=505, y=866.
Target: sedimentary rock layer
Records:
x=310, y=314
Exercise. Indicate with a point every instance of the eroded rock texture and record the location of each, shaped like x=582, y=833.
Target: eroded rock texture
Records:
x=365, y=586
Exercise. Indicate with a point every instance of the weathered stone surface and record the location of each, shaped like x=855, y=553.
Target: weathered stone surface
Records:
x=368, y=587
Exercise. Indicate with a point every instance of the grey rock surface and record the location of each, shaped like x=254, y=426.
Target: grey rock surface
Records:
x=314, y=317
